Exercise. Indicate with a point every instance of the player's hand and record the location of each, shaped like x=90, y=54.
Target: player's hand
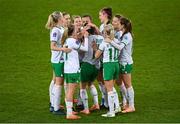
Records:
x=91, y=25
x=108, y=40
x=66, y=50
x=94, y=46
x=86, y=34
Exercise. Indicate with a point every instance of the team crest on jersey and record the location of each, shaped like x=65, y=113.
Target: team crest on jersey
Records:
x=54, y=34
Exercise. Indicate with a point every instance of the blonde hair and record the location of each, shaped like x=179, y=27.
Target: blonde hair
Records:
x=109, y=30
x=65, y=36
x=75, y=16
x=53, y=19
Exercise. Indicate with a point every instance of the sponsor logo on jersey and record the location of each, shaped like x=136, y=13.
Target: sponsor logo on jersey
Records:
x=54, y=34
x=77, y=42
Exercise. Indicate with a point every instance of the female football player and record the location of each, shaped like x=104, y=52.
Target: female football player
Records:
x=88, y=68
x=66, y=19
x=72, y=67
x=105, y=16
x=126, y=61
x=110, y=68
x=55, y=23
x=118, y=33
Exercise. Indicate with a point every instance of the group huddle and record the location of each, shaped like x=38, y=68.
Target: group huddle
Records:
x=82, y=53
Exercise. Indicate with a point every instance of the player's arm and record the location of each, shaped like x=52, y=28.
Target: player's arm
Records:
x=54, y=37
x=99, y=51
x=118, y=45
x=98, y=54
x=125, y=41
x=83, y=46
x=96, y=28
x=55, y=48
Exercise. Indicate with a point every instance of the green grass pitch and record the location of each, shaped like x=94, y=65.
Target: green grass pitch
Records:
x=25, y=70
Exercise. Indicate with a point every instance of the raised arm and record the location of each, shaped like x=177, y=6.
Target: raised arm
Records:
x=84, y=47
x=96, y=28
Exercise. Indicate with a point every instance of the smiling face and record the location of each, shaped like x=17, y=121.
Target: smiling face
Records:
x=85, y=20
x=116, y=23
x=102, y=16
x=78, y=22
x=60, y=21
x=66, y=20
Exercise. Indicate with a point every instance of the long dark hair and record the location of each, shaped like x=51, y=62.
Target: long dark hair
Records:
x=127, y=25
x=108, y=11
x=67, y=32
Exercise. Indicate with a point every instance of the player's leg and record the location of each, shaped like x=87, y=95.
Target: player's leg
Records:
x=51, y=86
x=130, y=91
x=111, y=99
x=84, y=97
x=116, y=98
x=72, y=81
x=94, y=93
x=108, y=75
x=69, y=101
x=123, y=93
x=57, y=89
x=93, y=75
x=122, y=87
x=116, y=101
x=102, y=88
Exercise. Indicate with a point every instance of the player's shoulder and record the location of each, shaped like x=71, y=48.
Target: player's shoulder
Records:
x=55, y=31
x=61, y=29
x=127, y=36
x=99, y=37
x=101, y=28
x=118, y=33
x=91, y=38
x=70, y=40
x=104, y=43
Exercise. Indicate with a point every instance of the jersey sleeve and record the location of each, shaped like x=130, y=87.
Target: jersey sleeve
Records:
x=54, y=36
x=79, y=46
x=102, y=46
x=125, y=40
x=118, y=46
x=116, y=41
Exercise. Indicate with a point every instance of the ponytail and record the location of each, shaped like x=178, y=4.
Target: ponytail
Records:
x=53, y=19
x=108, y=11
x=127, y=26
